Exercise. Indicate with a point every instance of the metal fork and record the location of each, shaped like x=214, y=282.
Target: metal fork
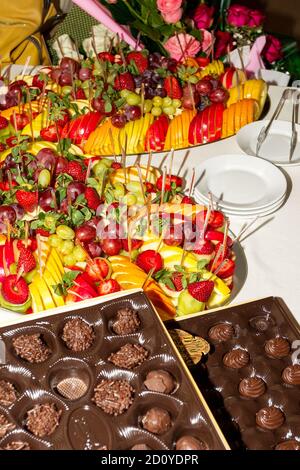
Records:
x=294, y=132
x=265, y=130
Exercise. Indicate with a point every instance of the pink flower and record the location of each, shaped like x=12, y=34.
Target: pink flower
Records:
x=256, y=19
x=182, y=46
x=206, y=40
x=223, y=43
x=238, y=15
x=203, y=16
x=273, y=49
x=168, y=6
x=173, y=16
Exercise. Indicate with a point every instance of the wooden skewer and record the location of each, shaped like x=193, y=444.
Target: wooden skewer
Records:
x=148, y=164
x=192, y=96
x=123, y=152
x=191, y=191
x=217, y=257
x=183, y=257
x=162, y=196
x=8, y=229
x=206, y=221
x=244, y=229
x=25, y=67
x=141, y=183
x=148, y=205
x=30, y=114
x=88, y=171
x=26, y=233
x=220, y=266
x=171, y=162
x=148, y=277
x=20, y=273
x=38, y=239
x=112, y=144
x=224, y=244
x=142, y=98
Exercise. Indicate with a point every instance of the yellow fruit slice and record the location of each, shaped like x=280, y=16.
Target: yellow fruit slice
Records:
x=37, y=125
x=225, y=124
x=237, y=116
x=44, y=292
x=54, y=254
x=58, y=299
x=53, y=269
x=36, y=301
x=231, y=118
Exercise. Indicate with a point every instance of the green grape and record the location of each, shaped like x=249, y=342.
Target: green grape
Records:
x=44, y=178
x=133, y=99
x=107, y=162
x=69, y=260
x=49, y=221
x=125, y=93
x=77, y=83
x=79, y=253
x=169, y=110
x=167, y=101
x=55, y=241
x=133, y=187
x=85, y=85
x=66, y=90
x=156, y=111
x=99, y=169
x=129, y=199
x=65, y=232
x=157, y=101
x=67, y=247
x=148, y=106
x=176, y=103
x=119, y=190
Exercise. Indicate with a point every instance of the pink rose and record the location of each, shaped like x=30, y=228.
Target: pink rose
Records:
x=203, y=16
x=168, y=6
x=182, y=46
x=256, y=19
x=238, y=16
x=273, y=49
x=207, y=41
x=223, y=43
x=173, y=16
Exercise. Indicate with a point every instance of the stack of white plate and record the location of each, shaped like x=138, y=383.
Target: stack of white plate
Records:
x=242, y=185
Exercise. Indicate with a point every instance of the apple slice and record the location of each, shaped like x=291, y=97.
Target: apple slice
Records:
x=44, y=292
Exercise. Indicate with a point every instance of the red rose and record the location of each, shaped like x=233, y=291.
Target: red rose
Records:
x=256, y=19
x=223, y=43
x=203, y=16
x=273, y=49
x=238, y=16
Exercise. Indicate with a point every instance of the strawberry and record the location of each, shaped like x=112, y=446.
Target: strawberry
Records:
x=27, y=200
x=92, y=198
x=37, y=82
x=50, y=133
x=227, y=252
x=203, y=247
x=169, y=182
x=14, y=290
x=42, y=232
x=150, y=188
x=216, y=220
x=187, y=200
x=201, y=290
x=26, y=262
x=12, y=141
x=227, y=269
x=108, y=287
x=3, y=123
x=80, y=95
x=2, y=147
x=19, y=120
x=124, y=81
x=135, y=244
x=31, y=242
x=106, y=57
x=140, y=61
x=76, y=170
x=148, y=260
x=216, y=236
x=116, y=165
x=173, y=88
x=177, y=281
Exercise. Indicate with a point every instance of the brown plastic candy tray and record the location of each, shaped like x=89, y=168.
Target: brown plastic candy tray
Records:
x=251, y=377
x=82, y=424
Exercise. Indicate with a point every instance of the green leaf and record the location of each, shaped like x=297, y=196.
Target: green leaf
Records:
x=201, y=264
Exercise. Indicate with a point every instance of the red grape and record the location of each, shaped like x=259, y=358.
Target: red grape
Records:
x=93, y=248
x=118, y=120
x=47, y=200
x=84, y=74
x=111, y=247
x=204, y=87
x=219, y=95
x=7, y=214
x=132, y=113
x=74, y=190
x=85, y=233
x=46, y=158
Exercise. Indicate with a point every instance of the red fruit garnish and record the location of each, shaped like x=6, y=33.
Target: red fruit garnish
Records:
x=63, y=120
x=140, y=61
x=135, y=244
x=19, y=120
x=227, y=269
x=108, y=287
x=31, y=243
x=36, y=82
x=187, y=200
x=106, y=56
x=27, y=200
x=92, y=198
x=124, y=81
x=227, y=252
x=116, y=165
x=216, y=220
x=80, y=95
x=214, y=236
x=42, y=232
x=12, y=141
x=175, y=236
x=203, y=247
x=148, y=260
x=169, y=182
x=98, y=269
x=50, y=133
x=14, y=290
x=203, y=61
x=3, y=122
x=26, y=262
x=111, y=246
x=150, y=188
x=177, y=281
x=202, y=290
x=173, y=88
x=2, y=147
x=75, y=169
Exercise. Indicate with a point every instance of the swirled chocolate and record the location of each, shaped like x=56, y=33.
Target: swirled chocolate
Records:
x=292, y=444
x=291, y=375
x=277, y=348
x=221, y=332
x=270, y=418
x=236, y=359
x=252, y=387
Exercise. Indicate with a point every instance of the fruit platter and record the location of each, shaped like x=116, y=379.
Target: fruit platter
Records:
x=130, y=101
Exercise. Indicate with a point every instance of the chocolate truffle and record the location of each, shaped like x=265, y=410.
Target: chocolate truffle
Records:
x=127, y=322
x=8, y=393
x=190, y=443
x=42, y=420
x=292, y=444
x=291, y=375
x=129, y=356
x=270, y=418
x=17, y=445
x=277, y=348
x=31, y=348
x=78, y=335
x=114, y=397
x=5, y=425
x=221, y=332
x=159, y=381
x=236, y=359
x=140, y=447
x=156, y=420
x=252, y=387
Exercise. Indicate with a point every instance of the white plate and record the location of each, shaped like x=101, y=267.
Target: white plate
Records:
x=241, y=182
x=242, y=212
x=276, y=147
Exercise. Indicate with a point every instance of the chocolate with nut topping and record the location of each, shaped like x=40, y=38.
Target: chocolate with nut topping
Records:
x=42, y=420
x=5, y=426
x=114, y=397
x=16, y=445
x=129, y=356
x=8, y=393
x=31, y=348
x=78, y=335
x=127, y=322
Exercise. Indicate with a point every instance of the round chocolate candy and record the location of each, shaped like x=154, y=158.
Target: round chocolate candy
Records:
x=141, y=446
x=291, y=375
x=156, y=420
x=277, y=348
x=270, y=418
x=159, y=381
x=221, y=332
x=252, y=387
x=236, y=359
x=190, y=443
x=292, y=444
